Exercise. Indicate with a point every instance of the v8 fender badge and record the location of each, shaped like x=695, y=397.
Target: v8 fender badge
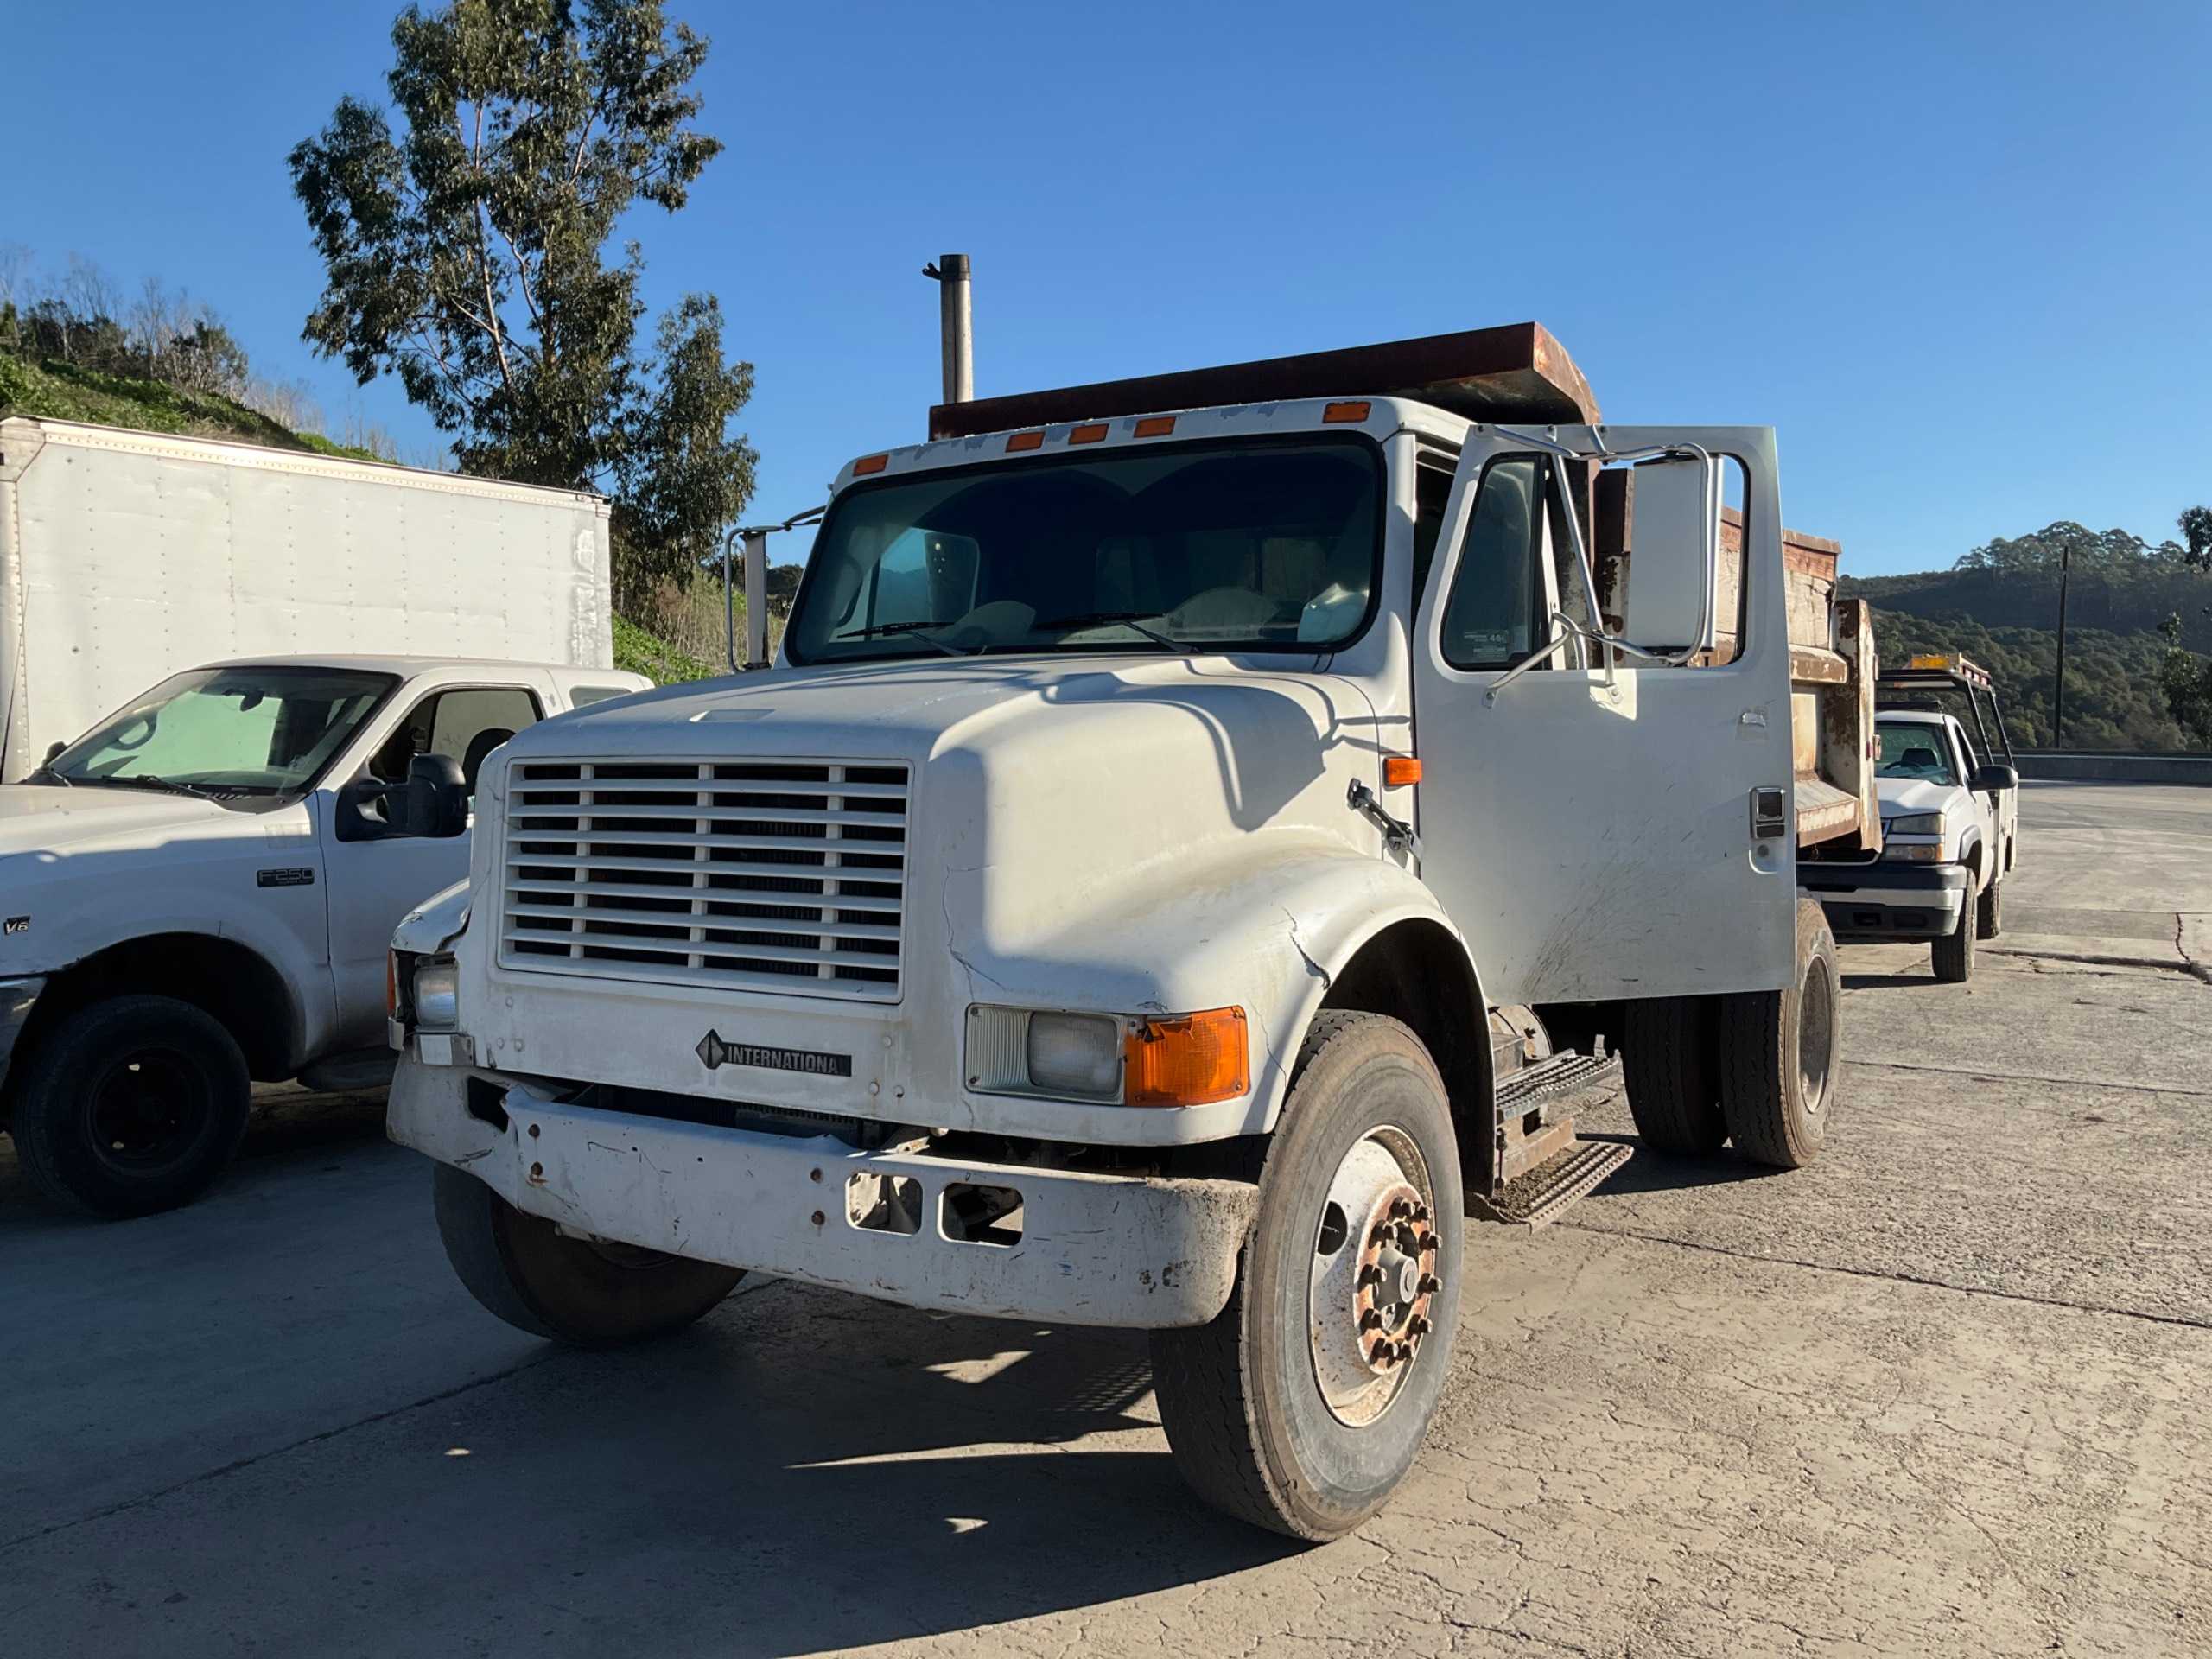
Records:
x=712, y=1052
x=19, y=925
x=303, y=877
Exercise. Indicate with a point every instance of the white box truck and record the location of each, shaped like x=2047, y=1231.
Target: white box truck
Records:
x=126, y=556
x=241, y=660
x=1174, y=876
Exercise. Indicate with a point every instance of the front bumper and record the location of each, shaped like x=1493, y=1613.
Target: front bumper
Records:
x=1138, y=1251
x=17, y=998
x=1866, y=903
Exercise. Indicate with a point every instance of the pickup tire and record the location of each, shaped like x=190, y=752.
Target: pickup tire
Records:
x=131, y=1106
x=1989, y=911
x=1287, y=1411
x=1666, y=1046
x=1782, y=1054
x=583, y=1293
x=1952, y=956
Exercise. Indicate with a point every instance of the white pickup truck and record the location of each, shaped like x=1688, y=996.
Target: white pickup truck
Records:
x=1144, y=891
x=200, y=891
x=1951, y=821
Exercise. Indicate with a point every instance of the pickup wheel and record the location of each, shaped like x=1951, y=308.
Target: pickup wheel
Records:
x=131, y=1106
x=1782, y=1054
x=1303, y=1404
x=585, y=1293
x=1666, y=1046
x=1952, y=956
x=1989, y=911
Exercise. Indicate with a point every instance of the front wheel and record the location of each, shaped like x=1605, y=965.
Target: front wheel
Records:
x=1304, y=1403
x=131, y=1105
x=587, y=1293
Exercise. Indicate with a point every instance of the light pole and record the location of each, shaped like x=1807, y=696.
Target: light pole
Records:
x=2058, y=685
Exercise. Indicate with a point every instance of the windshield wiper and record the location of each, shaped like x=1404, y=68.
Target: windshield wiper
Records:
x=919, y=630
x=146, y=779
x=1133, y=620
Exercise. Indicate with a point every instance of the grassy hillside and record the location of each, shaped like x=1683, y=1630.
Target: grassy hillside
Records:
x=64, y=392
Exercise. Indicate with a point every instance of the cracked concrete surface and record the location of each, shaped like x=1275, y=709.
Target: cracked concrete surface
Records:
x=1941, y=1393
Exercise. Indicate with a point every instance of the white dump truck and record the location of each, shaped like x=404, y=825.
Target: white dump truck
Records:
x=1199, y=840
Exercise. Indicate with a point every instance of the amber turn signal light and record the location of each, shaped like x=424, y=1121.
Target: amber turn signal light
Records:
x=1186, y=1059
x=1399, y=770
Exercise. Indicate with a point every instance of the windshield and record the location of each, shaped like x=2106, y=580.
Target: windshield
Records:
x=1256, y=546
x=1913, y=751
x=226, y=732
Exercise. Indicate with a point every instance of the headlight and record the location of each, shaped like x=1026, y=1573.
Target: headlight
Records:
x=1187, y=1060
x=437, y=995
x=1915, y=824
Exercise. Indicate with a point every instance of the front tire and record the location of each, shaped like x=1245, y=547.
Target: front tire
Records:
x=1304, y=1403
x=1782, y=1054
x=132, y=1106
x=584, y=1293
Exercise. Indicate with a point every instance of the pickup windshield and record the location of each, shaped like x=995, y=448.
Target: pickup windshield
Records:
x=1245, y=547
x=1913, y=751
x=226, y=732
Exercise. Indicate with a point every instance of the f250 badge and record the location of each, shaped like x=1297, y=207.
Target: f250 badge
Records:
x=712, y=1052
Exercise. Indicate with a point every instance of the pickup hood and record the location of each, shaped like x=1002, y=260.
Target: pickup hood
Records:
x=1899, y=795
x=37, y=818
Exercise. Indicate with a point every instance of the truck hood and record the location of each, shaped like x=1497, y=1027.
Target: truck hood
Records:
x=40, y=818
x=1914, y=795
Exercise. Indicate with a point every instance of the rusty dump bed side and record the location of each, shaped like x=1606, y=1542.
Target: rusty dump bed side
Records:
x=1516, y=372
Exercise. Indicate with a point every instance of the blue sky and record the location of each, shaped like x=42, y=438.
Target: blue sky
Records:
x=1959, y=255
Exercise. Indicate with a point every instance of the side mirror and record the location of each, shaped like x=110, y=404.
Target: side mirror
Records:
x=1993, y=776
x=53, y=749
x=1674, y=554
x=433, y=803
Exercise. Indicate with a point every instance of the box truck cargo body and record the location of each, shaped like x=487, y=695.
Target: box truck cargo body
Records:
x=126, y=556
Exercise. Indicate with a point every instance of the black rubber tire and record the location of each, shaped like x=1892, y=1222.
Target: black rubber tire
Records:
x=1952, y=956
x=1773, y=1117
x=568, y=1290
x=1666, y=1046
x=1989, y=911
x=1243, y=1412
x=65, y=1155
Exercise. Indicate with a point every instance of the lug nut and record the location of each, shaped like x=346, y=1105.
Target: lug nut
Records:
x=1370, y=1320
x=1400, y=1209
x=1370, y=1274
x=1428, y=1285
x=1418, y=1326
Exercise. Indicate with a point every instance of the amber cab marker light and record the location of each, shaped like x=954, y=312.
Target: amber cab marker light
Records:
x=869, y=464
x=1095, y=432
x=1185, y=1059
x=1336, y=412
x=1155, y=426
x=1400, y=770
x=1025, y=440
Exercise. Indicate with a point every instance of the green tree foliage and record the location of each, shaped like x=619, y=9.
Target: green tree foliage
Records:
x=465, y=251
x=2186, y=678
x=2090, y=549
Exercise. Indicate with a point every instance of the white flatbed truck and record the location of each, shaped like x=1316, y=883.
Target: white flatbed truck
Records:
x=1144, y=891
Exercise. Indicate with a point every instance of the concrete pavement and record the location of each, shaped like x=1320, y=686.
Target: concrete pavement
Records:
x=1942, y=1392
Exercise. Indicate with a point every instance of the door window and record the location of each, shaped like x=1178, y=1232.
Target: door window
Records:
x=1489, y=620
x=465, y=723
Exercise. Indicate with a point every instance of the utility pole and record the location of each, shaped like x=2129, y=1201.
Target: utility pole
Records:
x=956, y=322
x=2058, y=686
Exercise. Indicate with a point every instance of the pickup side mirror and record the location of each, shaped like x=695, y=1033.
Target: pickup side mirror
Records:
x=432, y=805
x=1993, y=776
x=1674, y=550
x=53, y=749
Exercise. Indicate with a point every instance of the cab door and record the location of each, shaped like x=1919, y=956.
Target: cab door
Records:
x=1602, y=832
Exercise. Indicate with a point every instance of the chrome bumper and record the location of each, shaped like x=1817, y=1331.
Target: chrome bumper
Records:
x=1135, y=1251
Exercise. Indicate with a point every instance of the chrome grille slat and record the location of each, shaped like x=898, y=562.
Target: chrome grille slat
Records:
x=772, y=875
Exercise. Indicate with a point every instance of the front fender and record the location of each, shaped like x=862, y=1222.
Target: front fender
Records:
x=1269, y=934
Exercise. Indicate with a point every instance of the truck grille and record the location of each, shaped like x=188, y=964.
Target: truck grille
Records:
x=768, y=875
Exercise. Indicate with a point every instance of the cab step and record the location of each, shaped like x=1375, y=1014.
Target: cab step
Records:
x=1538, y=1166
